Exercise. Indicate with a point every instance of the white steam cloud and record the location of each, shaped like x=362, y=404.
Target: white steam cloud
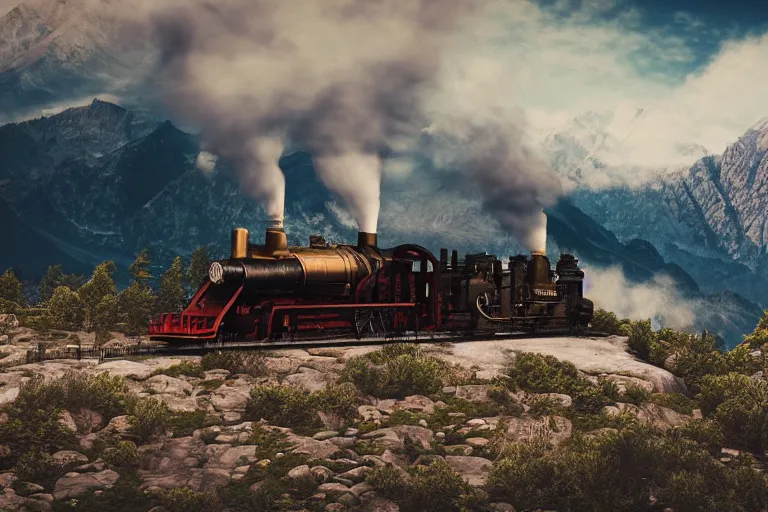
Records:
x=658, y=299
x=206, y=162
x=353, y=82
x=345, y=80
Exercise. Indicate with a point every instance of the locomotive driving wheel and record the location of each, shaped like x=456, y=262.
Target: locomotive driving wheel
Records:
x=370, y=322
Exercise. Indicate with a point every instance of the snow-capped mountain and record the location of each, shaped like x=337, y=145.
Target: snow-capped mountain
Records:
x=100, y=182
x=710, y=218
x=57, y=51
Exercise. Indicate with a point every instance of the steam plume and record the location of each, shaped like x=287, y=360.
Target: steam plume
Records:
x=514, y=183
x=343, y=79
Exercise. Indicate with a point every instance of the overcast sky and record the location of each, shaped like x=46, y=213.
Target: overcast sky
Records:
x=698, y=68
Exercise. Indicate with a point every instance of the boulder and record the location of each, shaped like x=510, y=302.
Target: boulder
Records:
x=310, y=379
x=554, y=429
x=72, y=485
x=226, y=399
x=474, y=470
x=394, y=438
x=69, y=457
x=417, y=403
x=127, y=369
x=313, y=448
x=649, y=413
x=473, y=393
x=163, y=384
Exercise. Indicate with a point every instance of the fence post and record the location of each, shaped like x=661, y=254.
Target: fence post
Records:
x=77, y=351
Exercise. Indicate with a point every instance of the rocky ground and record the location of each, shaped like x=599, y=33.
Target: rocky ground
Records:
x=231, y=444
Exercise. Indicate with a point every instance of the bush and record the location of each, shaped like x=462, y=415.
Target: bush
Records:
x=149, y=417
x=432, y=488
x=607, y=322
x=124, y=455
x=186, y=500
x=288, y=406
x=620, y=471
x=186, y=368
x=37, y=466
x=250, y=363
x=396, y=371
x=545, y=374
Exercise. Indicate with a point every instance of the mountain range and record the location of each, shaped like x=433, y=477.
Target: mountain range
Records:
x=101, y=181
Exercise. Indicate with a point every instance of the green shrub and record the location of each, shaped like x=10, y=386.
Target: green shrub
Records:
x=607, y=322
x=125, y=454
x=183, y=424
x=186, y=500
x=186, y=368
x=619, y=471
x=250, y=363
x=705, y=432
x=149, y=417
x=432, y=488
x=286, y=406
x=545, y=374
x=396, y=371
x=739, y=405
x=674, y=401
x=635, y=395
x=293, y=407
x=37, y=466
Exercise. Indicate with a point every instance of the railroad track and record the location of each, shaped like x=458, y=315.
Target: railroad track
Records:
x=346, y=341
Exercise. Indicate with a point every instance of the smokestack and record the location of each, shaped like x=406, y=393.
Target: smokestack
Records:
x=275, y=223
x=366, y=239
x=443, y=257
x=454, y=259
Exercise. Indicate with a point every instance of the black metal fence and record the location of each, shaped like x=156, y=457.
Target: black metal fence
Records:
x=44, y=353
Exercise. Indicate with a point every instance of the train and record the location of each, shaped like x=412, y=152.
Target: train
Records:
x=270, y=291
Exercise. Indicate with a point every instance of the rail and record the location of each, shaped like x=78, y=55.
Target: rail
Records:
x=43, y=353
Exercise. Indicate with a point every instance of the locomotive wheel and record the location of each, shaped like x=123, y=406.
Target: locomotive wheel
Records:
x=374, y=322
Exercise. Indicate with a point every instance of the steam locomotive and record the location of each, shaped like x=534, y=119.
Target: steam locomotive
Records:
x=273, y=292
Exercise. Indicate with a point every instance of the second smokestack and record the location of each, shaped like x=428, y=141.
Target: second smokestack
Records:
x=366, y=239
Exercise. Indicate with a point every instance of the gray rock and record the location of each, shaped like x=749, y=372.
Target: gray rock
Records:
x=311, y=447
x=649, y=413
x=357, y=474
x=300, y=472
x=343, y=442
x=394, y=438
x=333, y=489
x=554, y=429
x=127, y=369
x=325, y=435
x=321, y=473
x=27, y=488
x=72, y=485
x=473, y=393
x=366, y=412
x=417, y=403
x=69, y=457
x=226, y=399
x=474, y=470
x=310, y=379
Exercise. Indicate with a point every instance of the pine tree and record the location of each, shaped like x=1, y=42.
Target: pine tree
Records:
x=172, y=295
x=10, y=288
x=199, y=263
x=759, y=336
x=139, y=269
x=100, y=285
x=136, y=303
x=65, y=310
x=50, y=281
x=105, y=317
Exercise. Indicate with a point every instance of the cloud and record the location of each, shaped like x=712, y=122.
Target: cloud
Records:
x=557, y=65
x=657, y=299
